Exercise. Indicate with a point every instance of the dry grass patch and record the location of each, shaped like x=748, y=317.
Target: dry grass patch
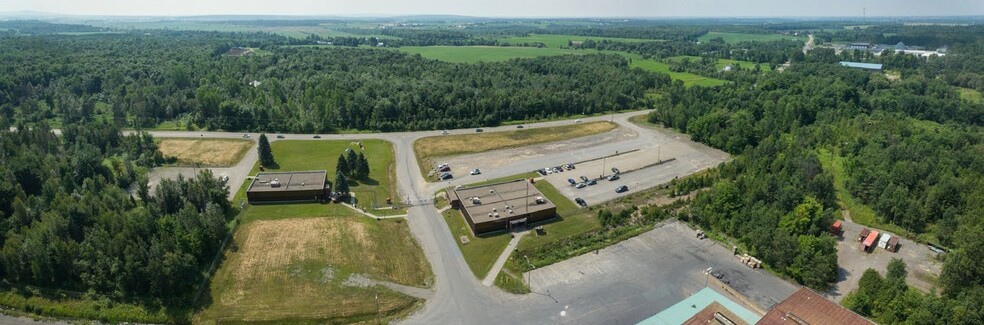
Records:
x=429, y=148
x=207, y=152
x=299, y=270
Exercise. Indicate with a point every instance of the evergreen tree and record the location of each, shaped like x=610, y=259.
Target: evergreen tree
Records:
x=353, y=161
x=341, y=184
x=266, y=154
x=362, y=167
x=343, y=166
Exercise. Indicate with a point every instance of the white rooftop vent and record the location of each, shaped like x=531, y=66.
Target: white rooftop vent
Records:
x=275, y=183
x=540, y=200
x=476, y=201
x=491, y=191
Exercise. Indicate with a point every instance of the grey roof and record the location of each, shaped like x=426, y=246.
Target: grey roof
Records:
x=289, y=181
x=869, y=66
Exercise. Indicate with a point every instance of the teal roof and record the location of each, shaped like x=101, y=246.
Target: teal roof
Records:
x=683, y=310
x=869, y=66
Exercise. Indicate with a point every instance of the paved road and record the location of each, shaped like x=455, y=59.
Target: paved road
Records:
x=459, y=297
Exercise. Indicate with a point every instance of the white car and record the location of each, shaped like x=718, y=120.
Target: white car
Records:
x=577, y=121
x=476, y=171
x=245, y=136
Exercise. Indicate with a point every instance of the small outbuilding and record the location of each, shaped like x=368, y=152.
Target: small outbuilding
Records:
x=836, y=228
x=893, y=244
x=869, y=242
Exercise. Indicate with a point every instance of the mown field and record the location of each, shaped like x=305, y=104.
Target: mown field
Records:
x=205, y=152
x=558, y=41
x=721, y=63
x=473, y=54
x=741, y=37
x=688, y=79
x=429, y=148
x=314, y=263
x=297, y=155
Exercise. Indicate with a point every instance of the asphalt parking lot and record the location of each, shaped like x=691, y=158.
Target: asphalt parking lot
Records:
x=632, y=280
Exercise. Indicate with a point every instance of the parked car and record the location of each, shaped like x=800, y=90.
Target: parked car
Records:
x=479, y=130
x=570, y=166
x=224, y=179
x=542, y=171
x=317, y=137
x=613, y=177
x=446, y=176
x=280, y=136
x=584, y=178
x=615, y=170
x=445, y=132
x=621, y=189
x=476, y=171
x=592, y=182
x=571, y=180
x=581, y=185
x=580, y=202
x=245, y=136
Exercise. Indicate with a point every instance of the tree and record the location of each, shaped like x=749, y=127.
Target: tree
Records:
x=266, y=154
x=342, y=167
x=362, y=167
x=353, y=161
x=341, y=184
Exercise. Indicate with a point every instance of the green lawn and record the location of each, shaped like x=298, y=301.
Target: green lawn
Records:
x=741, y=37
x=558, y=41
x=860, y=213
x=473, y=54
x=480, y=252
x=970, y=95
x=296, y=155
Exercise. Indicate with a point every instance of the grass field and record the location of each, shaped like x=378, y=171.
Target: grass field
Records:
x=480, y=252
x=970, y=95
x=205, y=152
x=721, y=63
x=741, y=37
x=473, y=54
x=558, y=41
x=296, y=155
x=429, y=148
x=860, y=213
x=688, y=79
x=308, y=263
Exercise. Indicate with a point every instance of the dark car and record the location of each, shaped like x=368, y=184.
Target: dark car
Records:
x=621, y=189
x=446, y=176
x=615, y=170
x=519, y=126
x=317, y=137
x=592, y=182
x=280, y=136
x=580, y=202
x=584, y=178
x=479, y=130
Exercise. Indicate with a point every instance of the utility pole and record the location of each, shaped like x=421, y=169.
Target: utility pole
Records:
x=529, y=275
x=378, y=322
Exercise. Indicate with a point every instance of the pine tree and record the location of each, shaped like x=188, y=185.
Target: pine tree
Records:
x=341, y=184
x=343, y=166
x=266, y=154
x=353, y=161
x=362, y=167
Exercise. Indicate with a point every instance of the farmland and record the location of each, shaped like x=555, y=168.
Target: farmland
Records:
x=473, y=54
x=688, y=79
x=742, y=37
x=308, y=263
x=559, y=41
x=205, y=152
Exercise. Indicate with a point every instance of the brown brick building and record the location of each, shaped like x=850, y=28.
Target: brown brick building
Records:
x=288, y=186
x=501, y=206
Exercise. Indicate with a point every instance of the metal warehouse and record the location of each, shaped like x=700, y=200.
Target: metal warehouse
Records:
x=501, y=206
x=288, y=186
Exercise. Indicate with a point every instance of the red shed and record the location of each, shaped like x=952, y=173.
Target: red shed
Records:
x=836, y=228
x=870, y=241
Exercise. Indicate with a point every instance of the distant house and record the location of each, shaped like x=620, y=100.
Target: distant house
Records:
x=576, y=43
x=858, y=46
x=862, y=66
x=255, y=83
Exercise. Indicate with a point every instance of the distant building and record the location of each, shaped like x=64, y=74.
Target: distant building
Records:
x=501, y=206
x=807, y=307
x=858, y=46
x=862, y=66
x=255, y=83
x=288, y=186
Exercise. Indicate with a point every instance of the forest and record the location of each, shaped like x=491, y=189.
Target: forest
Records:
x=143, y=81
x=77, y=215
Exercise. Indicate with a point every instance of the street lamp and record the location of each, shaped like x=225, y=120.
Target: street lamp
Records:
x=529, y=275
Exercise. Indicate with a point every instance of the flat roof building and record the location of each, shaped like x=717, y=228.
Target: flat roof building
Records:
x=807, y=307
x=862, y=66
x=288, y=186
x=702, y=307
x=501, y=206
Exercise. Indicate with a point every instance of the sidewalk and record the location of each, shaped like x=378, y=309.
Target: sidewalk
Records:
x=494, y=272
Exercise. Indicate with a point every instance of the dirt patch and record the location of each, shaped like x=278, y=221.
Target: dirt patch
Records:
x=205, y=152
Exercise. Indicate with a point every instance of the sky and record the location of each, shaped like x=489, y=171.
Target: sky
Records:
x=506, y=8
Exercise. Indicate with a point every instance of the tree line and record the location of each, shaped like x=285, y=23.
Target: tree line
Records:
x=77, y=214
